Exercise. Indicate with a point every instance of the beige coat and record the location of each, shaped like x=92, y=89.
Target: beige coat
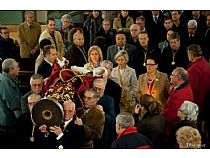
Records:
x=58, y=39
x=128, y=83
x=117, y=24
x=159, y=90
x=28, y=39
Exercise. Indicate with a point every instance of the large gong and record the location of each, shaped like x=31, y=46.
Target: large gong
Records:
x=47, y=111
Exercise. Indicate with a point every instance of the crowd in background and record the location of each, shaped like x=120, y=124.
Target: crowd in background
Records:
x=144, y=80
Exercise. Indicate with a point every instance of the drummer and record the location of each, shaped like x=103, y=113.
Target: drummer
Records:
x=25, y=127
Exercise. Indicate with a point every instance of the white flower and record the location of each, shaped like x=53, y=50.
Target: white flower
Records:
x=156, y=79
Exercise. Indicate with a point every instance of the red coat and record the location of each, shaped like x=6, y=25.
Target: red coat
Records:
x=175, y=100
x=199, y=76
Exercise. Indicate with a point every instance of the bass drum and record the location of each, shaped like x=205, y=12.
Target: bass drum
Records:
x=47, y=112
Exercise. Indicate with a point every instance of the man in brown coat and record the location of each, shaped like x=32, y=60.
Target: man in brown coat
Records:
x=93, y=119
x=28, y=36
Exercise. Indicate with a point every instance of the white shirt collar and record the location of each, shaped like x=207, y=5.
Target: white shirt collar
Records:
x=51, y=64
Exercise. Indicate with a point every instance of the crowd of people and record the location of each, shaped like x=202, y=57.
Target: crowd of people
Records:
x=141, y=79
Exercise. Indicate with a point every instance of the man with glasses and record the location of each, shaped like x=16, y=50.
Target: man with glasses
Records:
x=8, y=49
x=93, y=119
x=180, y=92
x=36, y=82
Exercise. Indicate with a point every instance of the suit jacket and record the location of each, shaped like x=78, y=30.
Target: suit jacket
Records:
x=160, y=87
x=72, y=137
x=112, y=51
x=28, y=39
x=59, y=41
x=75, y=56
x=44, y=69
x=93, y=122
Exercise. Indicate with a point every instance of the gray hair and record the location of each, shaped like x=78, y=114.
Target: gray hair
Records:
x=99, y=80
x=192, y=23
x=93, y=90
x=183, y=74
x=107, y=62
x=122, y=53
x=35, y=77
x=29, y=12
x=195, y=49
x=8, y=64
x=190, y=110
x=69, y=102
x=36, y=96
x=66, y=16
x=125, y=120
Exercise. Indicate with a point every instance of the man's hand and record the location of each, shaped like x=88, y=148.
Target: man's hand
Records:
x=55, y=129
x=78, y=121
x=43, y=128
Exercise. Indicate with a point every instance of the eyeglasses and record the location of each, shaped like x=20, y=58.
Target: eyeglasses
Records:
x=150, y=64
x=174, y=75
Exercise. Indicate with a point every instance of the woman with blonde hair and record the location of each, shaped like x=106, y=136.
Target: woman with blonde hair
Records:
x=188, y=138
x=126, y=77
x=95, y=57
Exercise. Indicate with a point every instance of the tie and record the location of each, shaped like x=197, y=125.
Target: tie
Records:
x=156, y=18
x=30, y=26
x=121, y=48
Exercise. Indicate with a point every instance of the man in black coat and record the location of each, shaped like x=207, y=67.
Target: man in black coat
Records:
x=71, y=135
x=175, y=55
x=76, y=54
x=107, y=103
x=8, y=49
x=138, y=58
x=50, y=56
x=112, y=88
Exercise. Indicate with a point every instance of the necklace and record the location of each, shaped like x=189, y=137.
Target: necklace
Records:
x=145, y=56
x=174, y=53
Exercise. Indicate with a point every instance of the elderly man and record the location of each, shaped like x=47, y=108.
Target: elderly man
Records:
x=10, y=102
x=28, y=36
x=71, y=135
x=112, y=88
x=36, y=83
x=76, y=53
x=120, y=45
x=128, y=137
x=54, y=36
x=107, y=104
x=67, y=25
x=27, y=140
x=134, y=35
x=180, y=92
x=93, y=119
